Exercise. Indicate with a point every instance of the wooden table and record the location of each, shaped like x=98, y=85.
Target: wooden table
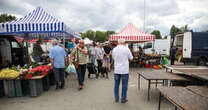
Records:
x=156, y=76
x=186, y=98
x=171, y=68
x=200, y=73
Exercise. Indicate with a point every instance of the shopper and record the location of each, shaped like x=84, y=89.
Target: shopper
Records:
x=80, y=54
x=121, y=56
x=58, y=60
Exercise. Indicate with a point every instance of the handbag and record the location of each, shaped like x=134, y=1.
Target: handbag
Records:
x=76, y=63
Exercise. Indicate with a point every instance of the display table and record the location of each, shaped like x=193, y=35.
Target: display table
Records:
x=185, y=98
x=158, y=77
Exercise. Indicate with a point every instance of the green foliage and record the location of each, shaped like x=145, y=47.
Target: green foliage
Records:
x=6, y=17
x=174, y=30
x=184, y=28
x=40, y=39
x=157, y=34
x=90, y=34
x=99, y=36
x=110, y=32
x=165, y=37
x=82, y=35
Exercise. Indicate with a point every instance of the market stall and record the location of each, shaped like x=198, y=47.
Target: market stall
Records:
x=33, y=75
x=36, y=23
x=134, y=35
x=19, y=81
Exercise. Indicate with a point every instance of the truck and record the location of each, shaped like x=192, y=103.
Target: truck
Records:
x=194, y=47
x=159, y=46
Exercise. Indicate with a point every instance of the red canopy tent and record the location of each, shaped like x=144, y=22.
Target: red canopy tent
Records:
x=132, y=34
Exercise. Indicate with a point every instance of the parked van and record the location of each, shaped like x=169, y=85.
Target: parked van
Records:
x=11, y=52
x=194, y=47
x=159, y=46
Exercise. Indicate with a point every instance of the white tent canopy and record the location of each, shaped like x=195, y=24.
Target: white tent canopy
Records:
x=87, y=41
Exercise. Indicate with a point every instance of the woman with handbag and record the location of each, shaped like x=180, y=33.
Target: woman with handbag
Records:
x=80, y=53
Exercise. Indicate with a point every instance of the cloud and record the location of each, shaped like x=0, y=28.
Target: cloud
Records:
x=82, y=15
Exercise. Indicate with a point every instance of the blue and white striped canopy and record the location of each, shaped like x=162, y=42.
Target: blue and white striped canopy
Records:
x=38, y=21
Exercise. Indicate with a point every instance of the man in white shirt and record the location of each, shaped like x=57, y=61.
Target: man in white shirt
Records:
x=121, y=56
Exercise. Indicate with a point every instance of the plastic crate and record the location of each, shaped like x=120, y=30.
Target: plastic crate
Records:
x=18, y=88
x=46, y=83
x=11, y=88
x=1, y=88
x=36, y=87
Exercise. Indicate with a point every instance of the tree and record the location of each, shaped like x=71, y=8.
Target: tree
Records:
x=157, y=34
x=100, y=36
x=184, y=28
x=165, y=37
x=108, y=33
x=173, y=32
x=83, y=35
x=90, y=34
x=6, y=17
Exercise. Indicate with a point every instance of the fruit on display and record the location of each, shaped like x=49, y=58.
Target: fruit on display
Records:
x=40, y=68
x=155, y=67
x=160, y=66
x=8, y=74
x=147, y=65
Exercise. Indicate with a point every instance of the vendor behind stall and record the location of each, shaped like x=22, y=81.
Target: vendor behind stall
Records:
x=141, y=52
x=37, y=51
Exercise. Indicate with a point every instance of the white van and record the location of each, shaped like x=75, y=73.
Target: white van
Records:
x=159, y=46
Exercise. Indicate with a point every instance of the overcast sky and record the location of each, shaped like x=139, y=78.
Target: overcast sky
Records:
x=82, y=15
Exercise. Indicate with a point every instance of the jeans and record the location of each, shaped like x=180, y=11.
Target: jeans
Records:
x=81, y=74
x=172, y=60
x=92, y=59
x=59, y=77
x=100, y=64
x=124, y=78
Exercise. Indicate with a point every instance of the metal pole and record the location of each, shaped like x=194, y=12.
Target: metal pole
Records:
x=160, y=95
x=144, y=16
x=139, y=81
x=149, y=86
x=26, y=52
x=64, y=40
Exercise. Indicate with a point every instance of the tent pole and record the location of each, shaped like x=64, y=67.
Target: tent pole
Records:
x=26, y=49
x=154, y=46
x=64, y=41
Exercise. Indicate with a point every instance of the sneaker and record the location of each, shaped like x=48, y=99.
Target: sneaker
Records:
x=56, y=88
x=80, y=88
x=61, y=87
x=124, y=101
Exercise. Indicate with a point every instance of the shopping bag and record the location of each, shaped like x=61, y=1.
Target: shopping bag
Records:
x=71, y=68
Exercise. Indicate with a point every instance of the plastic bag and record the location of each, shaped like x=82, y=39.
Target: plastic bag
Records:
x=71, y=68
